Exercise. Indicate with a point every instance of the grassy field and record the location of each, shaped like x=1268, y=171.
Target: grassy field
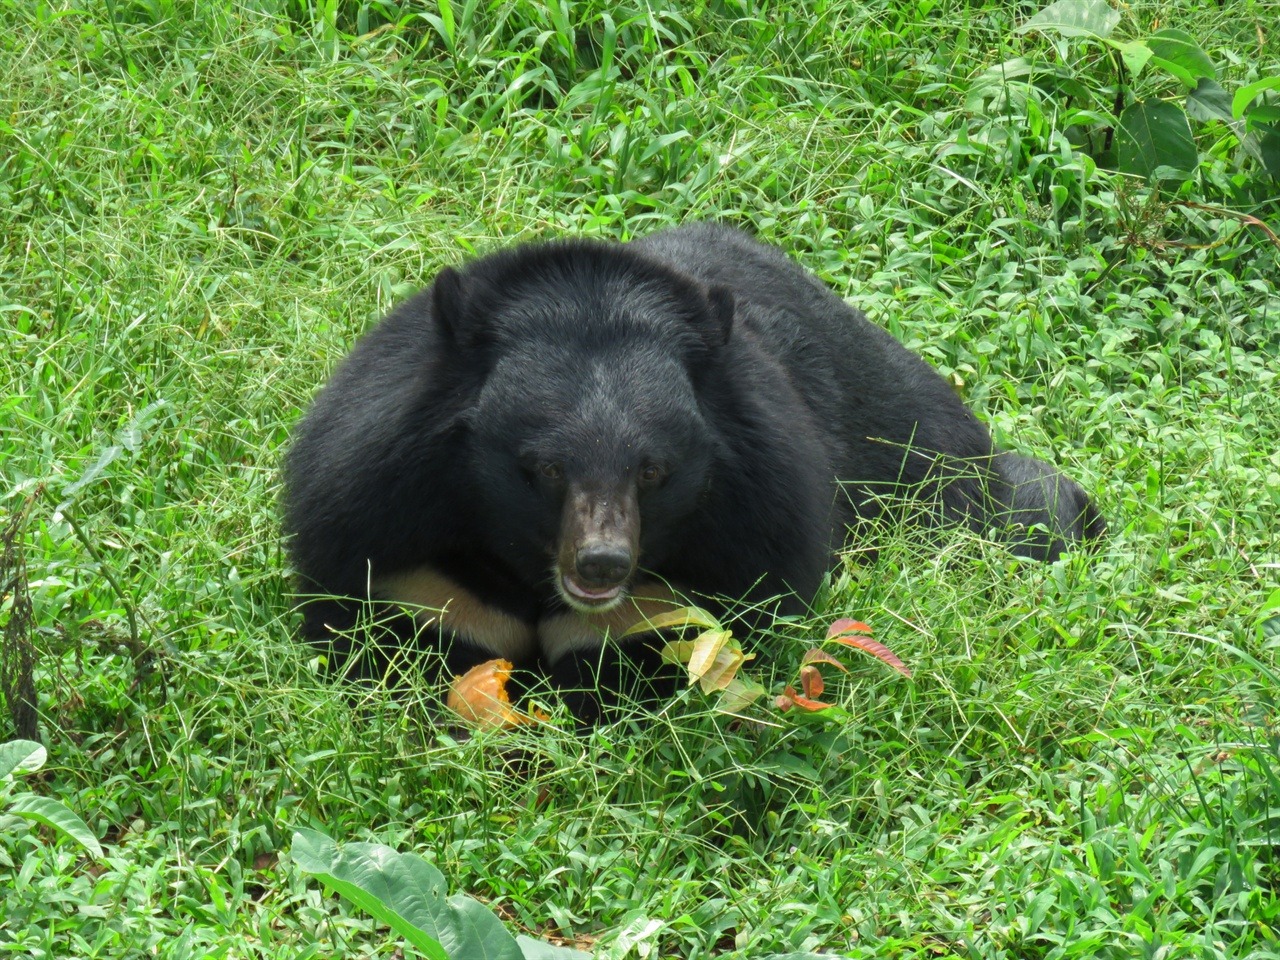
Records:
x=202, y=205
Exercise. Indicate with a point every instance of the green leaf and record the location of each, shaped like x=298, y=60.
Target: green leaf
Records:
x=1177, y=52
x=52, y=813
x=995, y=82
x=1208, y=101
x=1271, y=603
x=540, y=950
x=1249, y=92
x=1262, y=113
x=1074, y=18
x=1269, y=148
x=20, y=756
x=408, y=894
x=1152, y=135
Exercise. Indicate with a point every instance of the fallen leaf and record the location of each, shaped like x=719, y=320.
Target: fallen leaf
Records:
x=479, y=697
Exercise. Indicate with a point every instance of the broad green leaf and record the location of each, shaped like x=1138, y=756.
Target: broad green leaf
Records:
x=94, y=470
x=21, y=756
x=1249, y=92
x=56, y=815
x=1155, y=134
x=1271, y=603
x=408, y=894
x=447, y=21
x=1135, y=54
x=636, y=933
x=1208, y=101
x=1074, y=18
x=1177, y=52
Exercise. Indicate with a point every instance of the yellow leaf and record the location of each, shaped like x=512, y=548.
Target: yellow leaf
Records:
x=739, y=693
x=674, y=620
x=716, y=660
x=677, y=652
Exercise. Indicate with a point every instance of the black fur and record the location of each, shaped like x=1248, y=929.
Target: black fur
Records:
x=693, y=404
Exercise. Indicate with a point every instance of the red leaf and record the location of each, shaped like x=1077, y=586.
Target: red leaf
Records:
x=789, y=698
x=811, y=681
x=821, y=656
x=876, y=649
x=847, y=626
x=813, y=706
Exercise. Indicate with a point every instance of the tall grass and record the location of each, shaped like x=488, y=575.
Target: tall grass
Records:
x=203, y=205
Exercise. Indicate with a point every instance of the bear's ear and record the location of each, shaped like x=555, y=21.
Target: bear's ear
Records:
x=449, y=296
x=718, y=324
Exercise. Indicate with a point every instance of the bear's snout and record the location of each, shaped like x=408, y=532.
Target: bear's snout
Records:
x=603, y=564
x=599, y=546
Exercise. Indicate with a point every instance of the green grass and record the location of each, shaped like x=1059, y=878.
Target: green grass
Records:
x=201, y=207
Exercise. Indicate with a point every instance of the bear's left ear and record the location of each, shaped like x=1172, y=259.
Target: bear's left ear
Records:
x=718, y=322
x=451, y=300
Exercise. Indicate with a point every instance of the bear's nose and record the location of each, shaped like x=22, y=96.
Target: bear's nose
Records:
x=603, y=564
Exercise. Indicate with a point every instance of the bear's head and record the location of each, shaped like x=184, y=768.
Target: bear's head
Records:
x=589, y=440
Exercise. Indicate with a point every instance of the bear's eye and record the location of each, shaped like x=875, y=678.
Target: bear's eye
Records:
x=652, y=474
x=550, y=471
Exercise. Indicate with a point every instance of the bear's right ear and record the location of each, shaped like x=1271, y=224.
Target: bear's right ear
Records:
x=449, y=296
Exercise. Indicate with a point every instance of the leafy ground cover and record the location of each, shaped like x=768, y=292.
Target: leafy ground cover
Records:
x=204, y=204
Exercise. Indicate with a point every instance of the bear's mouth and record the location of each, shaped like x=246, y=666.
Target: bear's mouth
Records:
x=590, y=599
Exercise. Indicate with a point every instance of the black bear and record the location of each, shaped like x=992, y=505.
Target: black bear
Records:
x=561, y=438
